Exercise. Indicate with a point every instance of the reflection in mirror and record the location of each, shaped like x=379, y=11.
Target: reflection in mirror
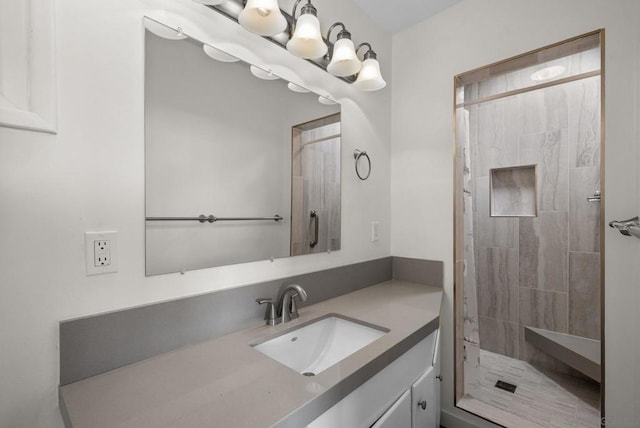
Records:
x=220, y=143
x=315, y=190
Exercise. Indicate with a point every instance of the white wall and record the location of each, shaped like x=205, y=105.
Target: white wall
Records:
x=475, y=33
x=90, y=176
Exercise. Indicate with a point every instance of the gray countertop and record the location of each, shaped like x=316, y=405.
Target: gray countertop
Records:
x=225, y=382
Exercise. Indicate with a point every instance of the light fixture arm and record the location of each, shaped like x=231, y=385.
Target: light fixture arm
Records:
x=337, y=24
x=369, y=53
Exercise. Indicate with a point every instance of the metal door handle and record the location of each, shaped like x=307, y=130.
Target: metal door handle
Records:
x=316, y=220
x=422, y=404
x=629, y=227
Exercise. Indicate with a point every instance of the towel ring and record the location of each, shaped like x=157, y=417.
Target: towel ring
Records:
x=357, y=154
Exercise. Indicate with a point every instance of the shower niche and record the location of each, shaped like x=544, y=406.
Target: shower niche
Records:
x=513, y=191
x=528, y=277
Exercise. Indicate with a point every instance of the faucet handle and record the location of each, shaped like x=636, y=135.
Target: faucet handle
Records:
x=270, y=314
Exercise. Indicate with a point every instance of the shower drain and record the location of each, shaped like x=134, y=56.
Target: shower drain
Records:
x=506, y=386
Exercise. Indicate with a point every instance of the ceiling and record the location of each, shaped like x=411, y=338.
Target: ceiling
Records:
x=396, y=15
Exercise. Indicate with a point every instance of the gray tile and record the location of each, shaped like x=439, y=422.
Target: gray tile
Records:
x=543, y=110
x=543, y=309
x=513, y=191
x=497, y=135
x=544, y=397
x=584, y=216
x=584, y=122
x=499, y=336
x=492, y=231
x=549, y=151
x=543, y=256
x=584, y=294
x=498, y=283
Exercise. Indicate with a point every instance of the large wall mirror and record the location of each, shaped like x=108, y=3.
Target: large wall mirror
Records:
x=240, y=166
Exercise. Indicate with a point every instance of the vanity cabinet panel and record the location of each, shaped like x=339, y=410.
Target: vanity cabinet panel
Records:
x=398, y=416
x=423, y=401
x=371, y=402
x=437, y=382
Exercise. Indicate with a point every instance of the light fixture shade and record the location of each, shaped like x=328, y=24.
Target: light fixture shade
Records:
x=344, y=61
x=297, y=88
x=307, y=41
x=326, y=101
x=219, y=55
x=263, y=17
x=162, y=30
x=262, y=74
x=370, y=78
x=210, y=2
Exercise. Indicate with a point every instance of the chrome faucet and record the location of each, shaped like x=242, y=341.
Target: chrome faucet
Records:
x=287, y=309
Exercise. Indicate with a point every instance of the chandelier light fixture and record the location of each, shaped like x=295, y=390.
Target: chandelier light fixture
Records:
x=302, y=37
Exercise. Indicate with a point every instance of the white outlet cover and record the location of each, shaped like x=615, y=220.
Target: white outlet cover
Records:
x=89, y=248
x=375, y=231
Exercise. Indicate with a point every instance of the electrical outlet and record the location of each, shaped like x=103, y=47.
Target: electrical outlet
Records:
x=375, y=231
x=101, y=252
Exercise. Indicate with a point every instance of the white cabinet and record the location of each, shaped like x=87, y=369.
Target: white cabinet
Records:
x=399, y=415
x=390, y=398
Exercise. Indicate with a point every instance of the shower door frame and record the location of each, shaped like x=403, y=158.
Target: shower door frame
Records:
x=458, y=285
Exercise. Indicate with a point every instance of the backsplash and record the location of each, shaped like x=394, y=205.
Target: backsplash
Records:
x=103, y=342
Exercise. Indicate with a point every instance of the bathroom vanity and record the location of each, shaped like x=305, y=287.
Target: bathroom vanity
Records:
x=391, y=382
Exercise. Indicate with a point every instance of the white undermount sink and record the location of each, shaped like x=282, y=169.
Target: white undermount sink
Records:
x=317, y=345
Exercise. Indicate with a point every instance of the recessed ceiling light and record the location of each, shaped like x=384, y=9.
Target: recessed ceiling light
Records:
x=548, y=73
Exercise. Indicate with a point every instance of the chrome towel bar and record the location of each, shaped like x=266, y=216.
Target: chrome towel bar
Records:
x=212, y=218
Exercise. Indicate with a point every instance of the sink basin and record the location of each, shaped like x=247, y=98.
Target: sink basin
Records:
x=317, y=345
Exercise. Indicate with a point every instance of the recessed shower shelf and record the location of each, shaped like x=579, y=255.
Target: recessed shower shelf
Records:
x=513, y=191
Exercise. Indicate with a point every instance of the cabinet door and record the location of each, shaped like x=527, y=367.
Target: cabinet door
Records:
x=398, y=415
x=437, y=382
x=423, y=401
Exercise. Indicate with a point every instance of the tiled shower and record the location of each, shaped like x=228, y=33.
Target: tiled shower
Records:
x=539, y=271
x=529, y=171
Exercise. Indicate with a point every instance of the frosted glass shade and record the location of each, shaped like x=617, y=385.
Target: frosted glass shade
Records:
x=297, y=88
x=210, y=2
x=370, y=78
x=326, y=101
x=263, y=17
x=344, y=61
x=262, y=74
x=219, y=55
x=307, y=41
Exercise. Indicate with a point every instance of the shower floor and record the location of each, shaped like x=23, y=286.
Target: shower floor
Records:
x=543, y=397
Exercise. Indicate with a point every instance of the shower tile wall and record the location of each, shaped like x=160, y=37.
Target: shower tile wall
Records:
x=544, y=271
